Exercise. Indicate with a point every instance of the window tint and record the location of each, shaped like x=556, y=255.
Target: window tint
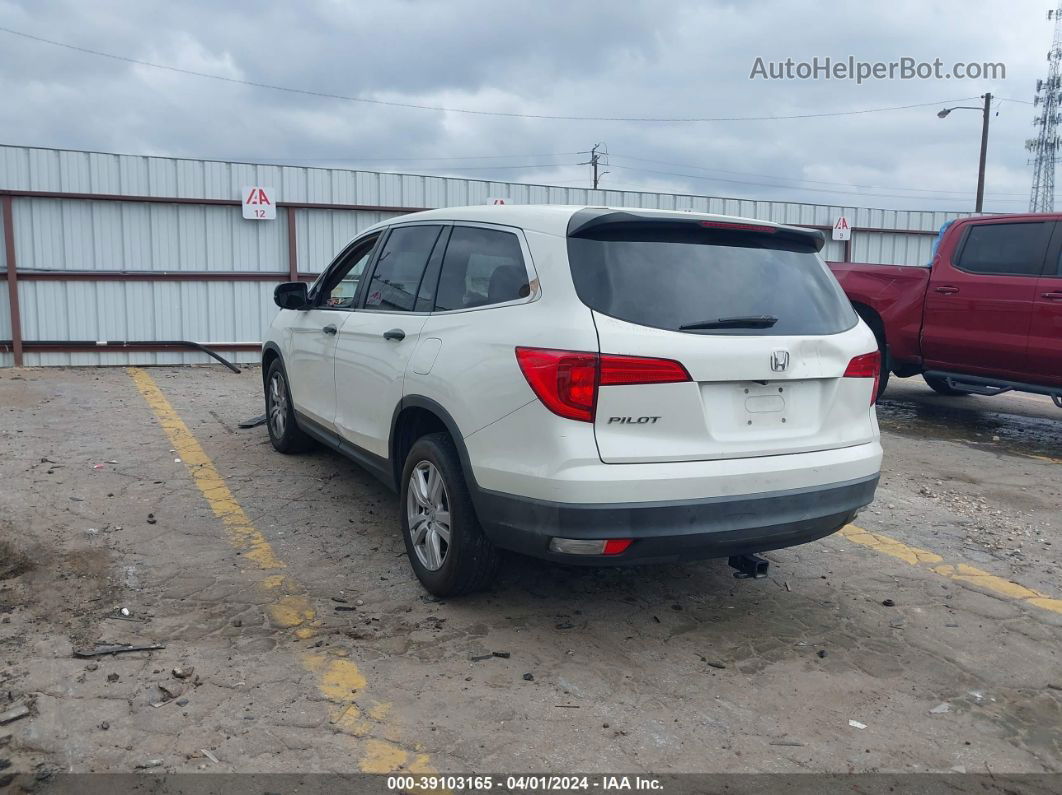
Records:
x=342, y=285
x=667, y=279
x=400, y=266
x=1016, y=249
x=482, y=266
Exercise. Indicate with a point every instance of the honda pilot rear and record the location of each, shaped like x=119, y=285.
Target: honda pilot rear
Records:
x=730, y=397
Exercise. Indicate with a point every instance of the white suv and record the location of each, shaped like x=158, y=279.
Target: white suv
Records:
x=583, y=384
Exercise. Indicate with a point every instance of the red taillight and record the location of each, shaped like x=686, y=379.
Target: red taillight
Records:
x=620, y=370
x=567, y=381
x=617, y=545
x=867, y=365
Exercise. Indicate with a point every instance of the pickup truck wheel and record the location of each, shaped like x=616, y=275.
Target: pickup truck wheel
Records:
x=883, y=378
x=285, y=435
x=446, y=546
x=940, y=386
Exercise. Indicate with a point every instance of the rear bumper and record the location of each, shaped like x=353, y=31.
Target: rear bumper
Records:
x=675, y=530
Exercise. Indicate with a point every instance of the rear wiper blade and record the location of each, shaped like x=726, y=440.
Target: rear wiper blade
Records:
x=745, y=321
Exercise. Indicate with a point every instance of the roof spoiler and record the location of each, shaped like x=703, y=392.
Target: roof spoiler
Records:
x=594, y=221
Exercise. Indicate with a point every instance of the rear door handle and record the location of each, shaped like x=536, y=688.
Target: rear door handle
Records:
x=1053, y=296
x=395, y=334
x=329, y=329
x=946, y=290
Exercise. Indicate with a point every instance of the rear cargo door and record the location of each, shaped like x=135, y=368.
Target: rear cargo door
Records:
x=754, y=316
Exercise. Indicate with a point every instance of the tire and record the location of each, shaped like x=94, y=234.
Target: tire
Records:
x=883, y=377
x=448, y=559
x=940, y=386
x=883, y=352
x=284, y=433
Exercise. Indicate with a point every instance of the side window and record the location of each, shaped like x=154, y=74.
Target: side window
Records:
x=482, y=266
x=341, y=287
x=1013, y=249
x=400, y=267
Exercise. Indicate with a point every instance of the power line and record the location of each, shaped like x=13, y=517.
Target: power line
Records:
x=467, y=111
x=345, y=159
x=798, y=179
x=790, y=187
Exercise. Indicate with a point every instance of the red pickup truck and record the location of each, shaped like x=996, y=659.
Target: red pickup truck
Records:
x=984, y=317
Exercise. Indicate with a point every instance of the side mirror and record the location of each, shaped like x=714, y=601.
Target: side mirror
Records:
x=291, y=295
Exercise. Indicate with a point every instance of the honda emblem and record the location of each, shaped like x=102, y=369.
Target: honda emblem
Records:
x=780, y=361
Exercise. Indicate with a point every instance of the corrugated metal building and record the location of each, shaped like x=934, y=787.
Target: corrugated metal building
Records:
x=126, y=247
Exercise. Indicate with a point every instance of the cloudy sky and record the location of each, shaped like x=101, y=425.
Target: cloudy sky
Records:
x=620, y=60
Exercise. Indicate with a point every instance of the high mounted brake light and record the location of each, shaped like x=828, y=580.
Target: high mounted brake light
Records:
x=567, y=381
x=867, y=365
x=770, y=230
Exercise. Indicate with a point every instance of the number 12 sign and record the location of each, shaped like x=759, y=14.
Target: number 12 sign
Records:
x=259, y=203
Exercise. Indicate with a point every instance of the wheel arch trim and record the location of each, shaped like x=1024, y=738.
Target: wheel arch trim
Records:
x=426, y=403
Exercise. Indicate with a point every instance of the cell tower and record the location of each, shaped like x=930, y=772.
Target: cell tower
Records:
x=1046, y=144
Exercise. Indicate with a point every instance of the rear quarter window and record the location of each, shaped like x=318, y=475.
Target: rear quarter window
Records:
x=668, y=280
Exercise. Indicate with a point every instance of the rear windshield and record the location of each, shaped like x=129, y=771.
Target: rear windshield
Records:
x=668, y=279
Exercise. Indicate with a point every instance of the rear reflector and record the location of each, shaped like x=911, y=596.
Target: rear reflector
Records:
x=867, y=365
x=583, y=546
x=567, y=381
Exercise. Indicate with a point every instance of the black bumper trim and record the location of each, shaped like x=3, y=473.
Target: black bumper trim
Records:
x=675, y=531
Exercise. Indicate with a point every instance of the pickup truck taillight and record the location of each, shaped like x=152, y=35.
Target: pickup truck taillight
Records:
x=867, y=365
x=567, y=381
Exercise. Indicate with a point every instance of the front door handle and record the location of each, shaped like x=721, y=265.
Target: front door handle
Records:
x=946, y=290
x=395, y=334
x=329, y=329
x=1053, y=296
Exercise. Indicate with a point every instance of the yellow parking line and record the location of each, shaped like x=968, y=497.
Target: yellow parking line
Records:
x=291, y=609
x=962, y=573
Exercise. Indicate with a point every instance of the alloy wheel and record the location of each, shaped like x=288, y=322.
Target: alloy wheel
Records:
x=428, y=512
x=278, y=405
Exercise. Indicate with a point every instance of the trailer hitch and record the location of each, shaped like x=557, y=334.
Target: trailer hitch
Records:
x=749, y=567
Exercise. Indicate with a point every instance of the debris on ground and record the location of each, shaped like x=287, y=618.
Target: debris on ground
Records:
x=888, y=603
x=940, y=709
x=481, y=657
x=503, y=654
x=151, y=518
x=822, y=653
x=529, y=677
x=566, y=625
x=16, y=712
x=209, y=756
x=183, y=672
x=149, y=764
x=253, y=422
x=856, y=724
x=116, y=648
x=170, y=691
x=716, y=664
x=787, y=743
x=112, y=677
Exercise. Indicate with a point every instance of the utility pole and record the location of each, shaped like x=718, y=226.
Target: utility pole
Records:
x=1044, y=146
x=984, y=154
x=595, y=161
x=986, y=112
